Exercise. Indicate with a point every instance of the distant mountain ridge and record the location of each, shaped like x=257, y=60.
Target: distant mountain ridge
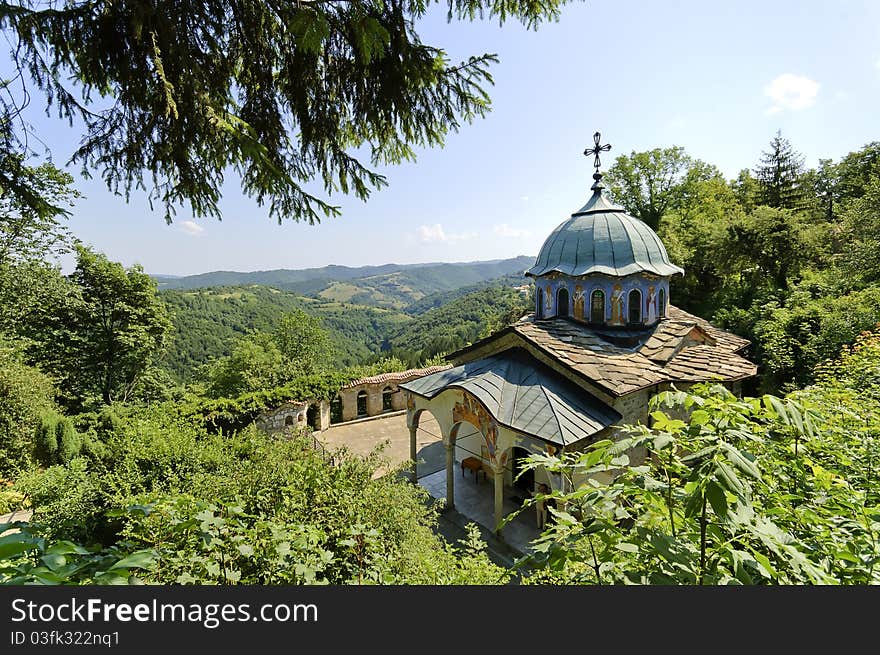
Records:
x=392, y=286
x=287, y=276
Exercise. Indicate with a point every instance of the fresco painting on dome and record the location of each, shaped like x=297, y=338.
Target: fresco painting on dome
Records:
x=617, y=306
x=650, y=306
x=578, y=302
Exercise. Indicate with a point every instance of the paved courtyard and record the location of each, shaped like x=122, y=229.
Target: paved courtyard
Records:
x=474, y=499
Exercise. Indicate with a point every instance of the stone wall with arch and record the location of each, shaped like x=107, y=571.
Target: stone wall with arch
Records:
x=379, y=393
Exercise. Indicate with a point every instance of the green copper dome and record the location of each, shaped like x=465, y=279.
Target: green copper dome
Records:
x=603, y=238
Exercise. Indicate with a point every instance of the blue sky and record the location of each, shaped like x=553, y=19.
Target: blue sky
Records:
x=718, y=79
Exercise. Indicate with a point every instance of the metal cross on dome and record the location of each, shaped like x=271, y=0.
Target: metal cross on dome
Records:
x=596, y=149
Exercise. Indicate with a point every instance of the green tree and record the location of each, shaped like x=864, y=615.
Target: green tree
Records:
x=114, y=331
x=779, y=176
x=856, y=171
x=303, y=343
x=26, y=395
x=28, y=235
x=695, y=236
x=279, y=93
x=861, y=227
x=649, y=184
x=254, y=364
x=746, y=189
x=769, y=245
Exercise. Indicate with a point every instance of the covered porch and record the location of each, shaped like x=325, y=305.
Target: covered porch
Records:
x=492, y=413
x=475, y=500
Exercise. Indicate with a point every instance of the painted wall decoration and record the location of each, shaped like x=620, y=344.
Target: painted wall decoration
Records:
x=615, y=293
x=617, y=306
x=650, y=305
x=470, y=410
x=578, y=302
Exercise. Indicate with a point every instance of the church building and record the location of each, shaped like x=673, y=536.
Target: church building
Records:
x=603, y=338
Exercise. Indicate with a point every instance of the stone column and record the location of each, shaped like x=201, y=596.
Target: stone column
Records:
x=498, y=474
x=414, y=478
x=449, y=445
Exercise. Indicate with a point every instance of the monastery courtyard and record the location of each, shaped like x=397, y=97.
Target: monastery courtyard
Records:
x=474, y=499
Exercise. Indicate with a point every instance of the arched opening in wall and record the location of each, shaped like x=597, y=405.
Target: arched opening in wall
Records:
x=661, y=304
x=539, y=303
x=635, y=306
x=597, y=306
x=288, y=420
x=362, y=403
x=313, y=416
x=336, y=410
x=562, y=302
x=526, y=482
x=387, y=393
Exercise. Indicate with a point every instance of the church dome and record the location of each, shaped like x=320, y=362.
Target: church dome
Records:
x=602, y=238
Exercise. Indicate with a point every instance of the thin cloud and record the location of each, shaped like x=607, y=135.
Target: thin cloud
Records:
x=436, y=234
x=505, y=230
x=792, y=92
x=191, y=228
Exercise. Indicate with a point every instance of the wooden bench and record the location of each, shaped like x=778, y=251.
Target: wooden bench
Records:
x=474, y=464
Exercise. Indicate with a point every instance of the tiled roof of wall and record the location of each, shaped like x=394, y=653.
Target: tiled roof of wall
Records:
x=397, y=376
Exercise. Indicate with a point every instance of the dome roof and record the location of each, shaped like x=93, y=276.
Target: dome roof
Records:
x=602, y=238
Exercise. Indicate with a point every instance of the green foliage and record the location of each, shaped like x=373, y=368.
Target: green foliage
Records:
x=27, y=233
x=257, y=94
x=244, y=508
x=46, y=450
x=861, y=224
x=112, y=332
x=458, y=323
x=649, y=184
x=228, y=414
x=26, y=395
x=736, y=491
x=27, y=558
x=69, y=442
x=769, y=246
x=209, y=322
x=298, y=347
x=254, y=365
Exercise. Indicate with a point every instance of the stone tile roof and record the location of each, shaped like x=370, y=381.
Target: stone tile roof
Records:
x=397, y=376
x=727, y=340
x=682, y=348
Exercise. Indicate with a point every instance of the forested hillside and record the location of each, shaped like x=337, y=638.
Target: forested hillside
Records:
x=208, y=321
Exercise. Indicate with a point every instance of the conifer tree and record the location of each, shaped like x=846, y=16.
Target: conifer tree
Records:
x=779, y=176
x=174, y=96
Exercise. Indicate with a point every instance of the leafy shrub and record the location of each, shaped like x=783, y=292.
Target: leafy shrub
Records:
x=46, y=449
x=69, y=442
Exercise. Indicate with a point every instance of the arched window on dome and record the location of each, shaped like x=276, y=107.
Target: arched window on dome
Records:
x=635, y=306
x=539, y=304
x=562, y=302
x=661, y=304
x=597, y=306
